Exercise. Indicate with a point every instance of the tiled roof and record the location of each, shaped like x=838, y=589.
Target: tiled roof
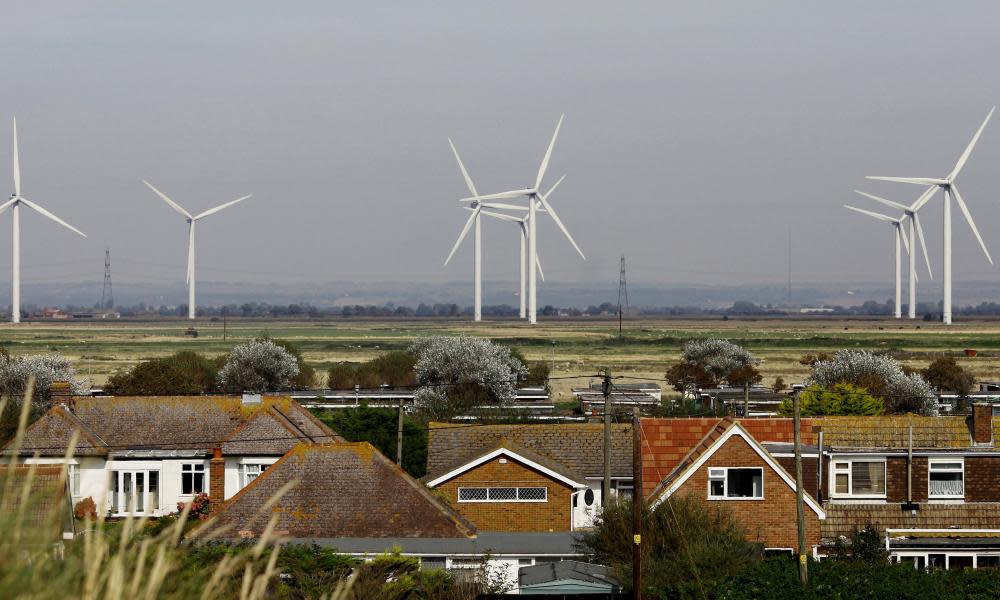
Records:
x=845, y=519
x=577, y=446
x=341, y=490
x=523, y=452
x=48, y=511
x=112, y=424
x=667, y=441
x=892, y=431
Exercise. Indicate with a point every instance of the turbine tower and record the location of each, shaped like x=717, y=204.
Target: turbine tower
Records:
x=476, y=205
x=522, y=223
x=911, y=212
x=536, y=200
x=897, y=232
x=14, y=203
x=191, y=220
x=947, y=184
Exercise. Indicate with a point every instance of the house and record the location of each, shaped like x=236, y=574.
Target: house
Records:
x=527, y=477
x=567, y=577
x=532, y=399
x=729, y=468
x=143, y=455
x=753, y=401
x=38, y=495
x=350, y=497
x=621, y=395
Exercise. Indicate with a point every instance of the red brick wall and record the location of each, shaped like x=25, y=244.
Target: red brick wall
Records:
x=982, y=479
x=982, y=423
x=553, y=515
x=216, y=483
x=770, y=521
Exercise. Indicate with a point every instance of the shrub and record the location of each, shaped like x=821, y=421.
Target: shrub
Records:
x=258, y=366
x=945, y=374
x=200, y=505
x=708, y=362
x=307, y=375
x=880, y=375
x=184, y=373
x=394, y=369
x=842, y=399
x=85, y=509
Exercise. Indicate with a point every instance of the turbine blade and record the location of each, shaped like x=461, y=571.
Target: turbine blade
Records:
x=538, y=265
x=913, y=180
x=461, y=236
x=503, y=206
x=172, y=204
x=553, y=188
x=7, y=204
x=468, y=180
x=548, y=154
x=559, y=222
x=878, y=216
x=900, y=233
x=500, y=196
x=500, y=216
x=46, y=213
x=882, y=200
x=212, y=211
x=17, y=164
x=968, y=149
x=972, y=224
x=924, y=198
x=923, y=245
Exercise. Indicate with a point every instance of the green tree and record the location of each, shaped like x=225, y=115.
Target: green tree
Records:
x=945, y=374
x=842, y=399
x=378, y=427
x=184, y=373
x=684, y=544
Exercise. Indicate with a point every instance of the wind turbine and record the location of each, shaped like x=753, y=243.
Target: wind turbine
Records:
x=522, y=223
x=474, y=219
x=535, y=200
x=911, y=212
x=191, y=220
x=947, y=184
x=14, y=203
x=897, y=231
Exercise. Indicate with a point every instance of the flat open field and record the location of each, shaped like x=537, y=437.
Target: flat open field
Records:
x=575, y=346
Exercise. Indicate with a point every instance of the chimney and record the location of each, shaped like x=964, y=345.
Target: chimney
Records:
x=982, y=423
x=60, y=389
x=216, y=481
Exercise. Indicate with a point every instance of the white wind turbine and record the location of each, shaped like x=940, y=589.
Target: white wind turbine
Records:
x=897, y=232
x=14, y=203
x=536, y=200
x=522, y=223
x=191, y=221
x=947, y=184
x=911, y=212
x=474, y=219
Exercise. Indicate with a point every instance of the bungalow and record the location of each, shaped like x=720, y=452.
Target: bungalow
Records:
x=527, y=477
x=143, y=455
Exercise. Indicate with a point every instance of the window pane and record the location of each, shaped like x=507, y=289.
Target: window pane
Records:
x=841, y=481
x=199, y=482
x=154, y=490
x=946, y=484
x=869, y=477
x=946, y=466
x=956, y=563
x=471, y=494
x=532, y=493
x=74, y=473
x=987, y=561
x=716, y=488
x=186, y=483
x=503, y=493
x=744, y=483
x=140, y=492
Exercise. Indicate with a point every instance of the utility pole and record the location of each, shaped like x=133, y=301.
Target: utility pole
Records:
x=622, y=295
x=606, y=484
x=638, y=500
x=800, y=517
x=107, y=297
x=399, y=433
x=746, y=399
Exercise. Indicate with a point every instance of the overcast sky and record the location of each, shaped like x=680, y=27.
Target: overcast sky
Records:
x=696, y=134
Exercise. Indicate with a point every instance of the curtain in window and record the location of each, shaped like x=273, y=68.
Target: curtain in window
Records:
x=868, y=477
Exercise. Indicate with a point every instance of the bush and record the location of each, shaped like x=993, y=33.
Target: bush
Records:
x=200, y=505
x=708, y=362
x=945, y=374
x=258, y=366
x=85, y=509
x=880, y=375
x=184, y=373
x=843, y=399
x=394, y=369
x=306, y=378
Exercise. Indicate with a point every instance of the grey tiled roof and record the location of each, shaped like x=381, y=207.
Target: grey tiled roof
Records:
x=577, y=446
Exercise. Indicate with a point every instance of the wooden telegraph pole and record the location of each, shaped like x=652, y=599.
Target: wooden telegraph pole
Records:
x=399, y=434
x=606, y=484
x=637, y=504
x=799, y=508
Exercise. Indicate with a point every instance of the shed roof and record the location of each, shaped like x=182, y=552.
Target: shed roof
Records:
x=564, y=570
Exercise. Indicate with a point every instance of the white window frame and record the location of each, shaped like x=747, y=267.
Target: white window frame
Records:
x=73, y=473
x=516, y=487
x=204, y=479
x=117, y=500
x=833, y=472
x=261, y=467
x=939, y=460
x=725, y=483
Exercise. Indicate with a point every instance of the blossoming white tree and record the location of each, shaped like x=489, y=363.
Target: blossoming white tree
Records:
x=258, y=366
x=881, y=375
x=457, y=373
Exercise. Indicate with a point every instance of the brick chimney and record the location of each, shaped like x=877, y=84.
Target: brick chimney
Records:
x=982, y=423
x=216, y=481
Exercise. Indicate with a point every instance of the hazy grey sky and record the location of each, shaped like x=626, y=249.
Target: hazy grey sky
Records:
x=696, y=133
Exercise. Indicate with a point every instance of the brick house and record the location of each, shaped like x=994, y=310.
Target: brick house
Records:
x=729, y=468
x=527, y=477
x=143, y=455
